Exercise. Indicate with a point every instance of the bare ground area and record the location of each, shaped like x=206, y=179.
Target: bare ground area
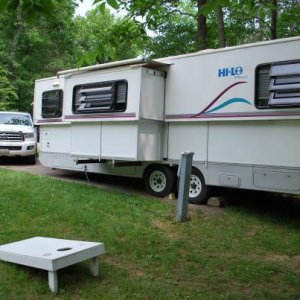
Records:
x=115, y=183
x=261, y=202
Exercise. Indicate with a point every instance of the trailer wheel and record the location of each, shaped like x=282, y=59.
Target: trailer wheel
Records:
x=160, y=180
x=198, y=190
x=31, y=160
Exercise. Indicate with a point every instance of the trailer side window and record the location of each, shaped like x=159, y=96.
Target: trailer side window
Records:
x=100, y=97
x=52, y=104
x=278, y=85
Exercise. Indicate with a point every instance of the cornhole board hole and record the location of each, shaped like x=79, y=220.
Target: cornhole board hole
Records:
x=52, y=254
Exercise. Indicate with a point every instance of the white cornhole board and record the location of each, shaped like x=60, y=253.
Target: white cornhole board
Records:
x=52, y=254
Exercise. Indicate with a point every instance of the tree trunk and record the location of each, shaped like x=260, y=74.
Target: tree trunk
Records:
x=221, y=27
x=202, y=28
x=274, y=20
x=17, y=32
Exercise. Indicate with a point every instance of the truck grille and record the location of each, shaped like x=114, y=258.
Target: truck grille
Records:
x=11, y=147
x=11, y=136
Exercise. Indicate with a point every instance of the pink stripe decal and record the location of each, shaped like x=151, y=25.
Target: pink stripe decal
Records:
x=49, y=121
x=106, y=116
x=83, y=117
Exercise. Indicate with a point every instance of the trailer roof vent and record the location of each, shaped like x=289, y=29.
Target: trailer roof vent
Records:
x=100, y=97
x=285, y=85
x=52, y=104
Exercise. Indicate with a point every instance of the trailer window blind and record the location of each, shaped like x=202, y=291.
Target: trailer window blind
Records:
x=278, y=86
x=285, y=84
x=52, y=104
x=262, y=86
x=100, y=97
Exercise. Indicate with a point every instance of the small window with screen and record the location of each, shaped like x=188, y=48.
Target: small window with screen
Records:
x=52, y=104
x=278, y=85
x=97, y=97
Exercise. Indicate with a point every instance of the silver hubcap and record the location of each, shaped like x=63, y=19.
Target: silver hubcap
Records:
x=195, y=186
x=158, y=181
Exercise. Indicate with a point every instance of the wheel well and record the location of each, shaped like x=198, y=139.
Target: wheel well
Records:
x=173, y=167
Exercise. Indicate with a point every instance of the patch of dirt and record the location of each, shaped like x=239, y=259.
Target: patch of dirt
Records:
x=252, y=231
x=133, y=270
x=290, y=261
x=244, y=288
x=205, y=209
x=167, y=228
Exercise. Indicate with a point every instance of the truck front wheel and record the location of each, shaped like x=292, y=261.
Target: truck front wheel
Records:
x=31, y=160
x=160, y=180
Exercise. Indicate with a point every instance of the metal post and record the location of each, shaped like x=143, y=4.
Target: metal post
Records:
x=184, y=174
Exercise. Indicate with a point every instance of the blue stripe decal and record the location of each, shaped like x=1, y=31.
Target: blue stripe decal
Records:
x=228, y=102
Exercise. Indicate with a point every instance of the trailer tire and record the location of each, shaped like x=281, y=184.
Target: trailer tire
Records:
x=160, y=180
x=31, y=160
x=198, y=192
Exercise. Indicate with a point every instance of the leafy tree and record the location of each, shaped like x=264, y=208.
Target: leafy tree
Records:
x=102, y=38
x=154, y=12
x=253, y=20
x=7, y=92
x=230, y=23
x=31, y=49
x=288, y=19
x=178, y=35
x=31, y=9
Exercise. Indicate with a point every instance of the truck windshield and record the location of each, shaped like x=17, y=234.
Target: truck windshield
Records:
x=15, y=119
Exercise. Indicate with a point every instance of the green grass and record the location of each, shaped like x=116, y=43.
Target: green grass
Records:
x=243, y=253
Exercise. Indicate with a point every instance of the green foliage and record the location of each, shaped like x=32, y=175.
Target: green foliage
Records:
x=245, y=22
x=32, y=49
x=176, y=36
x=38, y=38
x=102, y=38
x=154, y=12
x=113, y=3
x=31, y=9
x=289, y=18
x=8, y=93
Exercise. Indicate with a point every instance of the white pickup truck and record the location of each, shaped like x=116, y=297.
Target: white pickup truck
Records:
x=17, y=136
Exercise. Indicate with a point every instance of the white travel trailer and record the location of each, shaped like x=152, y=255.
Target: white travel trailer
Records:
x=237, y=109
